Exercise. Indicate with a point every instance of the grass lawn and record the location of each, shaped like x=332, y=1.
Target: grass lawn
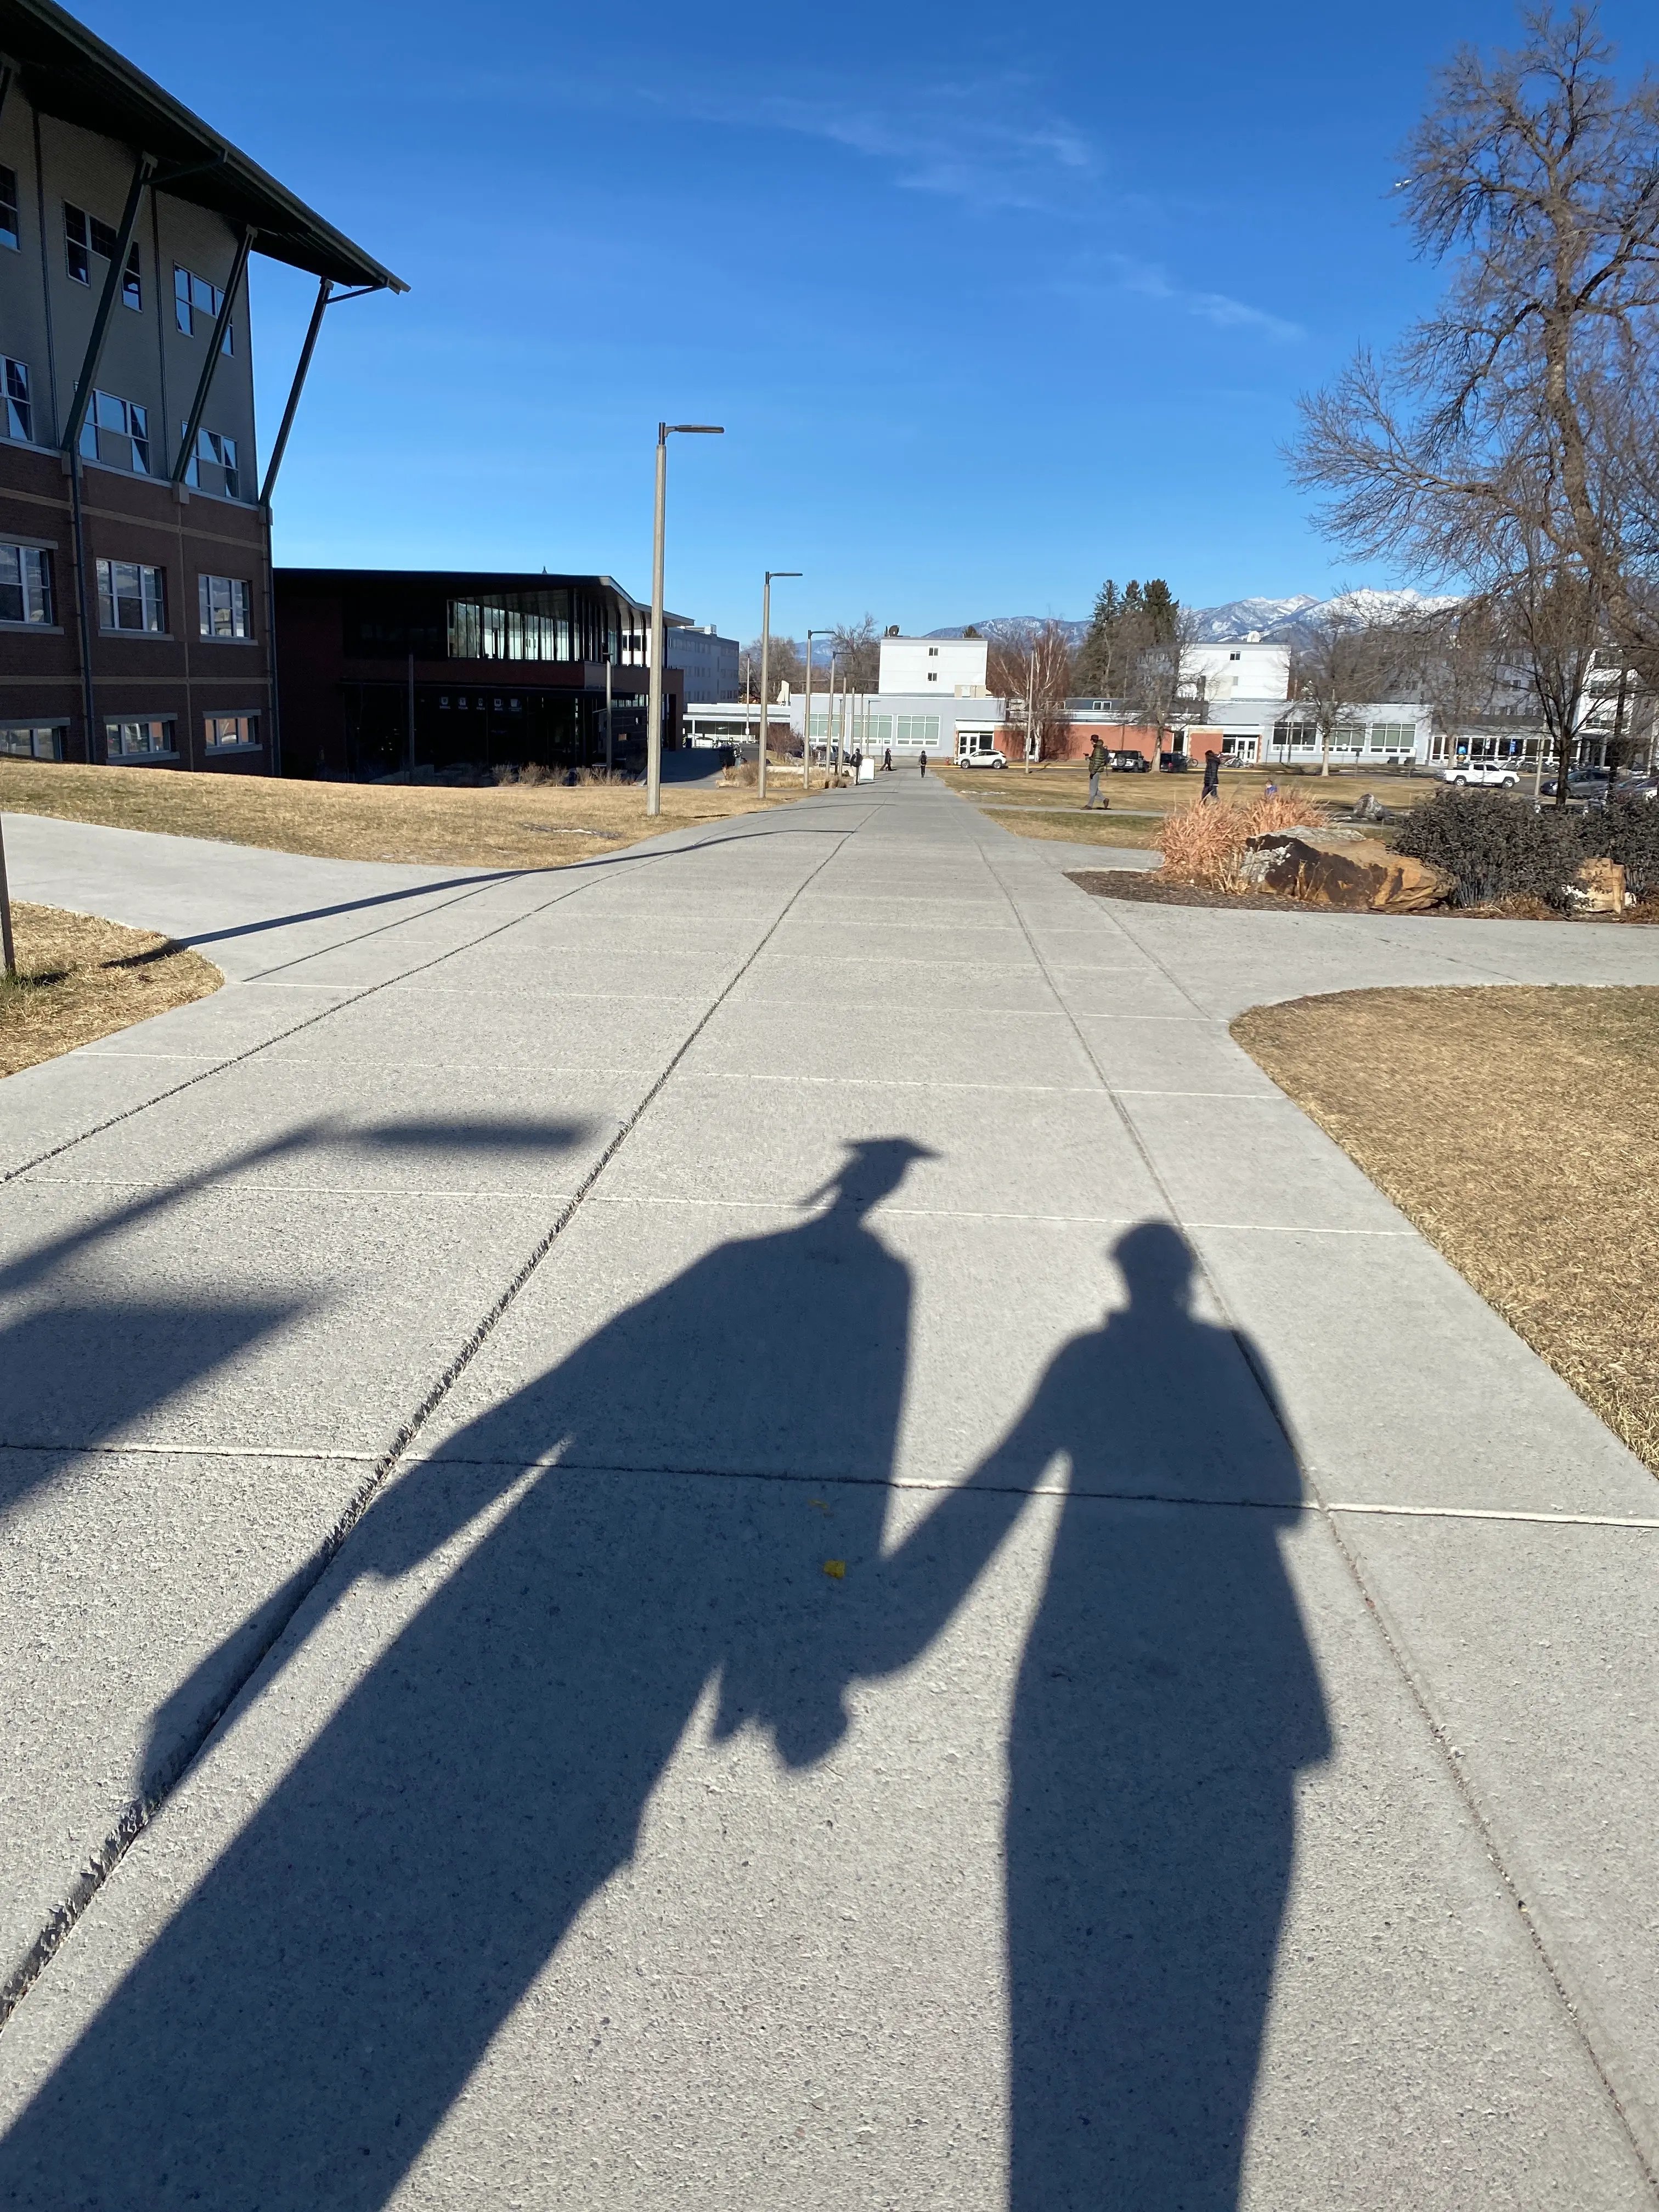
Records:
x=79, y=978
x=1519, y=1128
x=1048, y=802
x=515, y=826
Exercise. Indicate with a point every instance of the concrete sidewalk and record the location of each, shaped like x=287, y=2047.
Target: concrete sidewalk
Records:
x=753, y=1525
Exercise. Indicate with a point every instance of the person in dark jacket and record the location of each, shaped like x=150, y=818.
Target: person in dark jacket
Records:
x=1098, y=764
x=924, y=763
x=1212, y=774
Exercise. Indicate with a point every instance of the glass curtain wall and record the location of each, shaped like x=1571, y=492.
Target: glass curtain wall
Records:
x=556, y=624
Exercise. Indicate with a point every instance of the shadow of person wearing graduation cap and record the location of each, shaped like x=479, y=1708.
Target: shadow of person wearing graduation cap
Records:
x=295, y=2033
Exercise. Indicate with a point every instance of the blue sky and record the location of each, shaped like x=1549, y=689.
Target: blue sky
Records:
x=994, y=302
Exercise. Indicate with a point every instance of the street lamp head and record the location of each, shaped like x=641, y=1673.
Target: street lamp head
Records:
x=699, y=429
x=772, y=575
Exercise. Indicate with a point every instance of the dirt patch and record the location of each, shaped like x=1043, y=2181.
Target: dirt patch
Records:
x=79, y=978
x=1148, y=887
x=1518, y=1127
x=512, y=826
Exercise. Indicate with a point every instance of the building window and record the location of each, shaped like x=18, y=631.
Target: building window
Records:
x=117, y=433
x=195, y=300
x=10, y=229
x=519, y=626
x=20, y=411
x=32, y=740
x=131, y=597
x=213, y=464
x=84, y=236
x=231, y=733
x=142, y=740
x=1392, y=737
x=225, y=602
x=24, y=585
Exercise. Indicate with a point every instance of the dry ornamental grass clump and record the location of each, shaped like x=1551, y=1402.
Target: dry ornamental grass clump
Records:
x=1204, y=843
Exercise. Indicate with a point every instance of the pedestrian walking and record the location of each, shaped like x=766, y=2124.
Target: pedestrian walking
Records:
x=1211, y=775
x=887, y=761
x=924, y=763
x=1097, y=766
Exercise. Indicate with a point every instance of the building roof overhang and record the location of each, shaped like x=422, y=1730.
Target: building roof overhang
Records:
x=67, y=71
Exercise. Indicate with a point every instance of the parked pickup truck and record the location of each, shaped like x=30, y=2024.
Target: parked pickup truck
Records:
x=1504, y=775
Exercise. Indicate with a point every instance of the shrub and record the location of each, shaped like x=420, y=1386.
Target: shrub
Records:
x=1203, y=842
x=1495, y=847
x=1627, y=831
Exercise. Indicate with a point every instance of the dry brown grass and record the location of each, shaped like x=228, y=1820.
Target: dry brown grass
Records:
x=79, y=978
x=1078, y=828
x=1065, y=783
x=1204, y=843
x=507, y=826
x=1519, y=1128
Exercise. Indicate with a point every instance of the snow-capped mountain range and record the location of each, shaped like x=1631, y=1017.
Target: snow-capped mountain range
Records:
x=1282, y=622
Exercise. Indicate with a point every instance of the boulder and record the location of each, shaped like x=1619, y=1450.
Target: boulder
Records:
x=1600, y=889
x=1351, y=874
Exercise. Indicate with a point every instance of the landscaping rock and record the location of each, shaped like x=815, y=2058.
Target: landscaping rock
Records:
x=1600, y=888
x=1320, y=869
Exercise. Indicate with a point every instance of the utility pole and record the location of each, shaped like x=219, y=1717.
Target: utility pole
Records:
x=654, y=729
x=765, y=675
x=411, y=718
x=607, y=711
x=806, y=722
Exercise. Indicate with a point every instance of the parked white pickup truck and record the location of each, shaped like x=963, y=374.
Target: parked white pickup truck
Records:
x=1503, y=773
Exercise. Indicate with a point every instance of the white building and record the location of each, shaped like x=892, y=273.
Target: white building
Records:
x=1239, y=668
x=934, y=667
x=906, y=723
x=1274, y=731
x=709, y=661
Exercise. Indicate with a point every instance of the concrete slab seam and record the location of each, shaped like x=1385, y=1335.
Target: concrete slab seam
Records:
x=335, y=1007
x=1453, y=1766
x=138, y=1814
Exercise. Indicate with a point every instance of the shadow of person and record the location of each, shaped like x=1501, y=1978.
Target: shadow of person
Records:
x=1167, y=1699
x=297, y=2031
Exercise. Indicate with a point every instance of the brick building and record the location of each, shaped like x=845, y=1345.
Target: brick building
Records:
x=135, y=528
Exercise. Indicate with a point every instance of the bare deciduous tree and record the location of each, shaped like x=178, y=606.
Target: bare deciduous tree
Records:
x=1514, y=435
x=1345, y=662
x=1030, y=663
x=1160, y=684
x=858, y=653
x=786, y=663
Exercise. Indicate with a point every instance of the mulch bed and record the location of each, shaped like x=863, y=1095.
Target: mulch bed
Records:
x=1150, y=889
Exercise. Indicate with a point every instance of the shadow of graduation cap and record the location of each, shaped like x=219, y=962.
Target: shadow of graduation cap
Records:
x=873, y=1167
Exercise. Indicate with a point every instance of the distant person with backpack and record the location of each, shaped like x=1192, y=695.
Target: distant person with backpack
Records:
x=1211, y=775
x=887, y=761
x=924, y=763
x=1097, y=764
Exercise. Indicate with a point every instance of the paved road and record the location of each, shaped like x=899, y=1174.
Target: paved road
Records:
x=750, y=1525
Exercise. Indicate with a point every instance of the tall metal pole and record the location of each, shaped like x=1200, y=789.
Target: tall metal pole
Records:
x=8, y=950
x=654, y=727
x=607, y=711
x=653, y=735
x=806, y=722
x=411, y=718
x=766, y=655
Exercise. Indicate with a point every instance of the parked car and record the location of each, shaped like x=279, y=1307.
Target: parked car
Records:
x=1500, y=775
x=1174, y=763
x=1592, y=784
x=1128, y=763
x=1637, y=786
x=970, y=757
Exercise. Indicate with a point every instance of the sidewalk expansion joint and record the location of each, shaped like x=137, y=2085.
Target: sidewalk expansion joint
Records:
x=139, y=1813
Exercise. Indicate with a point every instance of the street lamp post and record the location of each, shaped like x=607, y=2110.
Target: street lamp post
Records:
x=807, y=725
x=653, y=732
x=766, y=655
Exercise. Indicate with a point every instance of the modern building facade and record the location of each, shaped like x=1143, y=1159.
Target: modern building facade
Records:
x=708, y=661
x=381, y=671
x=135, y=538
